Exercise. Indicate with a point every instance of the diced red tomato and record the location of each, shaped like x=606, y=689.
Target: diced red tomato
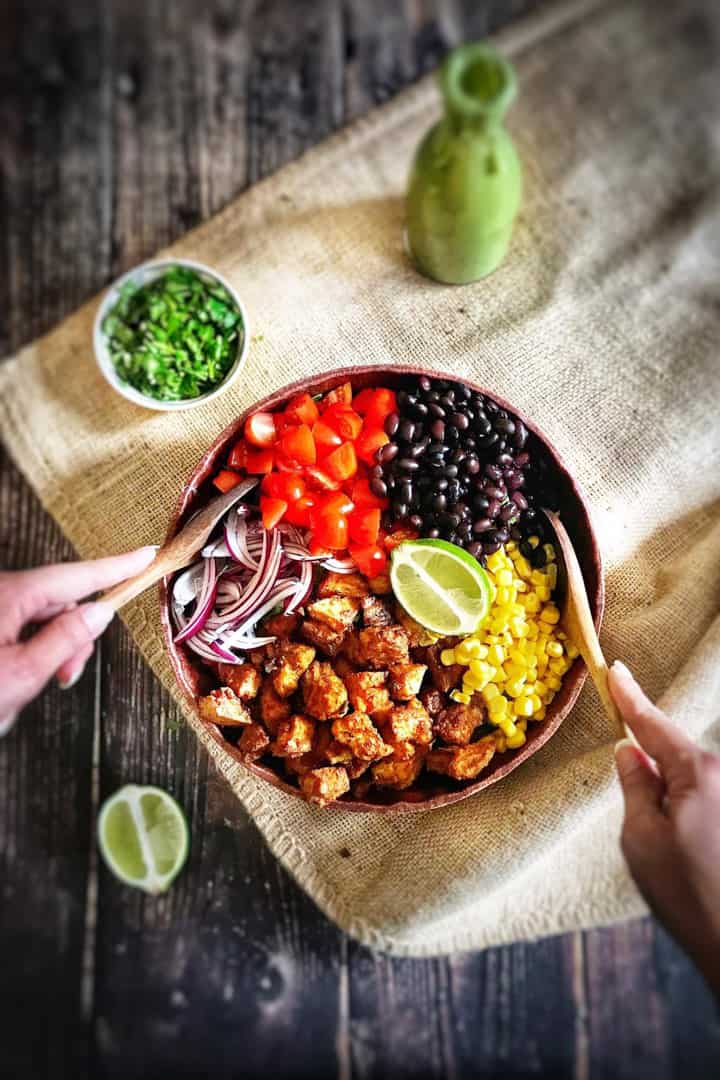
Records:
x=284, y=465
x=363, y=496
x=302, y=410
x=369, y=442
x=298, y=444
x=345, y=421
x=342, y=393
x=298, y=513
x=260, y=429
x=319, y=549
x=320, y=479
x=288, y=486
x=370, y=559
x=260, y=461
x=364, y=526
x=226, y=480
x=375, y=404
x=326, y=438
x=342, y=463
x=329, y=532
x=272, y=510
x=399, y=534
x=237, y=458
x=336, y=502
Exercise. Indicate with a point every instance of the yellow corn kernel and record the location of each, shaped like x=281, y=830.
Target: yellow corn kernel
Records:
x=552, y=573
x=552, y=682
x=550, y=614
x=572, y=650
x=447, y=656
x=523, y=707
x=514, y=687
x=534, y=541
x=471, y=684
x=507, y=638
x=532, y=603
x=458, y=695
x=528, y=689
x=541, y=687
x=523, y=567
x=520, y=585
x=514, y=742
x=499, y=677
x=533, y=631
x=521, y=724
x=496, y=655
x=559, y=666
x=539, y=578
x=504, y=577
x=507, y=727
x=554, y=648
x=518, y=628
x=540, y=714
x=543, y=593
x=504, y=596
x=497, y=708
x=549, y=552
x=517, y=655
x=500, y=742
x=510, y=546
x=495, y=561
x=489, y=693
x=536, y=704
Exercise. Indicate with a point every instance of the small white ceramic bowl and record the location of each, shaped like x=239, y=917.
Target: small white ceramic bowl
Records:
x=142, y=275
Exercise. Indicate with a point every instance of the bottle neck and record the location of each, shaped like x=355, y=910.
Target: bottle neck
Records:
x=478, y=86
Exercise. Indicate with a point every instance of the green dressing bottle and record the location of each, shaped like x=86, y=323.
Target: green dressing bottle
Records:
x=466, y=179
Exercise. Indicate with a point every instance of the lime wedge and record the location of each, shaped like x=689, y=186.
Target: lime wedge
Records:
x=440, y=586
x=143, y=837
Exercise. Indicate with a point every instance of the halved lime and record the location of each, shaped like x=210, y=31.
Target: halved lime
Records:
x=440, y=586
x=143, y=837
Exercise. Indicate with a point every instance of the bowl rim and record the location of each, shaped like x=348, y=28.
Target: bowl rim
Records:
x=572, y=684
x=148, y=271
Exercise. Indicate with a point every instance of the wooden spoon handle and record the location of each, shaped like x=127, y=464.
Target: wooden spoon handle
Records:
x=597, y=666
x=122, y=594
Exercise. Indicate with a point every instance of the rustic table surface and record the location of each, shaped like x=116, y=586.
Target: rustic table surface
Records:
x=121, y=125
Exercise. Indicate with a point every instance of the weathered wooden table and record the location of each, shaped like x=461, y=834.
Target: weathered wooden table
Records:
x=121, y=125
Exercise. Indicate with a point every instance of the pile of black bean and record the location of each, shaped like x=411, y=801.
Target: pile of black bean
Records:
x=461, y=468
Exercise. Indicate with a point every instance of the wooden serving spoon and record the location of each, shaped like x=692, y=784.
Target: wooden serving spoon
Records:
x=578, y=622
x=181, y=550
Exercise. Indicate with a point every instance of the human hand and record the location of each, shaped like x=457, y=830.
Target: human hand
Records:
x=671, y=833
x=62, y=646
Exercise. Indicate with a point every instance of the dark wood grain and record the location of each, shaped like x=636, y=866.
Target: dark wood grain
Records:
x=121, y=125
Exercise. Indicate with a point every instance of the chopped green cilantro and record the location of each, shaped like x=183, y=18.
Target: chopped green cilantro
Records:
x=176, y=338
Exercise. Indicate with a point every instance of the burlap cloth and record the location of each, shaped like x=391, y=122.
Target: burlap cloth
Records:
x=602, y=325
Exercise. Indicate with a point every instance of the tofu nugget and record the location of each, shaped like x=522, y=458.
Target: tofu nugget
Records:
x=273, y=708
x=323, y=786
x=397, y=774
x=433, y=700
x=244, y=679
x=224, y=707
x=409, y=723
x=281, y=626
x=381, y=646
x=324, y=693
x=457, y=723
x=357, y=731
x=343, y=585
x=294, y=736
x=254, y=741
x=351, y=648
x=462, y=762
x=375, y=612
x=367, y=691
x=326, y=640
x=293, y=662
x=315, y=757
x=337, y=612
x=406, y=680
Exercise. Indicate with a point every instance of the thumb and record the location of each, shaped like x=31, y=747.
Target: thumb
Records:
x=642, y=788
x=58, y=641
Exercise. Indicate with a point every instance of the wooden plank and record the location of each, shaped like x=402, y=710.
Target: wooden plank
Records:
x=506, y=1011
x=44, y=836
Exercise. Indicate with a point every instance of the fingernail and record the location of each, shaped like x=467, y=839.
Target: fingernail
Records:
x=621, y=669
x=7, y=723
x=97, y=616
x=621, y=744
x=149, y=551
x=67, y=683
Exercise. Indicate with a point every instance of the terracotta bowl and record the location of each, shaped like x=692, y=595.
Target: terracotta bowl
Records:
x=430, y=791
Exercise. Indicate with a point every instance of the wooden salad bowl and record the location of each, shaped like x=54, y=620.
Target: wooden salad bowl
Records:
x=430, y=791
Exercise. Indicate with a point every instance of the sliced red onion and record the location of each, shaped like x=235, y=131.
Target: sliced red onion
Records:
x=303, y=590
x=338, y=566
x=204, y=604
x=217, y=549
